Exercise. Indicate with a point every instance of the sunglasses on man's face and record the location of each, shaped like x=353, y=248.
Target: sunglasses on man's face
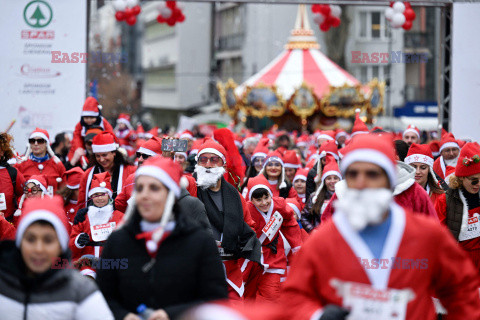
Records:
x=213, y=160
x=142, y=155
x=37, y=141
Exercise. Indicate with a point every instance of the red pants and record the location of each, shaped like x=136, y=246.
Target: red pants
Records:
x=262, y=286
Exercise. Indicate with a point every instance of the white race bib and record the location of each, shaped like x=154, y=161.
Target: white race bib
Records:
x=473, y=228
x=273, y=225
x=3, y=202
x=367, y=303
x=102, y=231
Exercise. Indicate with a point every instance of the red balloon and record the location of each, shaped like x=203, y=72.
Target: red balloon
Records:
x=171, y=4
x=325, y=10
x=409, y=14
x=120, y=15
x=129, y=13
x=181, y=18
x=131, y=20
x=407, y=25
x=161, y=19
x=335, y=22
x=324, y=26
x=176, y=13
x=316, y=8
x=407, y=4
x=136, y=10
x=391, y=4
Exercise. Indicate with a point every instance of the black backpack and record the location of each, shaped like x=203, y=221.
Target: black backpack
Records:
x=12, y=172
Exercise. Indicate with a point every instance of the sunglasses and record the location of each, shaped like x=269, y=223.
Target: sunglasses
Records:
x=370, y=174
x=96, y=195
x=33, y=190
x=142, y=155
x=473, y=181
x=213, y=160
x=37, y=141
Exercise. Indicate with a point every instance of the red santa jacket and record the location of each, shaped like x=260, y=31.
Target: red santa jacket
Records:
x=51, y=169
x=441, y=169
x=79, y=134
x=6, y=188
x=7, y=230
x=420, y=259
x=127, y=139
x=288, y=230
x=124, y=172
x=83, y=226
x=127, y=190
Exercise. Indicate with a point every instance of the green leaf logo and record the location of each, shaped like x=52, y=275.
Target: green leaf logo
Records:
x=38, y=14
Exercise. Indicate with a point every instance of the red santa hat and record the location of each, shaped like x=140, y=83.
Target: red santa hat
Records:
x=104, y=142
x=448, y=141
x=302, y=141
x=421, y=153
x=296, y=207
x=359, y=127
x=329, y=147
x=469, y=160
x=73, y=177
x=152, y=133
x=311, y=163
x=197, y=144
x=165, y=170
x=140, y=131
x=125, y=119
x=151, y=147
x=300, y=175
x=275, y=156
x=435, y=147
x=376, y=149
x=213, y=147
x=261, y=150
x=101, y=184
x=47, y=209
x=187, y=134
x=42, y=134
x=341, y=133
x=328, y=135
x=91, y=108
x=258, y=182
x=40, y=181
x=291, y=160
x=412, y=129
x=330, y=169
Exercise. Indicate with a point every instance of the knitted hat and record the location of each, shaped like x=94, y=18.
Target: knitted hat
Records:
x=421, y=153
x=48, y=209
x=261, y=150
x=359, y=127
x=151, y=147
x=40, y=181
x=412, y=129
x=104, y=142
x=125, y=119
x=187, y=134
x=100, y=183
x=448, y=141
x=469, y=160
x=91, y=108
x=213, y=147
x=376, y=149
x=300, y=175
x=73, y=177
x=168, y=172
x=258, y=182
x=291, y=160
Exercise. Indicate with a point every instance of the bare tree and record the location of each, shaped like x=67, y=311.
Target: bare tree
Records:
x=336, y=38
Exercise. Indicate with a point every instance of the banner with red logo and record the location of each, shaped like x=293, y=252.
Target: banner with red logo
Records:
x=34, y=91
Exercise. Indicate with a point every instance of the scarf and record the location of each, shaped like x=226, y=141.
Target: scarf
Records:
x=238, y=238
x=38, y=159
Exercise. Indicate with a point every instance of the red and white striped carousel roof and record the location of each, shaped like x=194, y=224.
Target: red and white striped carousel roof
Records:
x=301, y=62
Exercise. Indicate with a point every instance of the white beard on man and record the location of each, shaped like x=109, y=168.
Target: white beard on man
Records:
x=208, y=177
x=451, y=162
x=364, y=207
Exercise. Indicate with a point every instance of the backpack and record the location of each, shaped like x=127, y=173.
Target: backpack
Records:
x=12, y=172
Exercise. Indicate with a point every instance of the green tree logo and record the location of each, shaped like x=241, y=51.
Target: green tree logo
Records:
x=38, y=14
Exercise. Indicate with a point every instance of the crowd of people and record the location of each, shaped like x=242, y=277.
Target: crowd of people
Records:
x=326, y=225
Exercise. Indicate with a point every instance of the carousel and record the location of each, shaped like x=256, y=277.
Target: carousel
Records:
x=301, y=88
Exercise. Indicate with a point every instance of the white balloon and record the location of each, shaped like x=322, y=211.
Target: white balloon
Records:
x=180, y=6
x=398, y=20
x=336, y=11
x=166, y=13
x=398, y=7
x=161, y=5
x=132, y=3
x=389, y=13
x=318, y=18
x=119, y=5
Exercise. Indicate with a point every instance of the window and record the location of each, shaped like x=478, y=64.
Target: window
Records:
x=161, y=78
x=156, y=30
x=366, y=73
x=372, y=25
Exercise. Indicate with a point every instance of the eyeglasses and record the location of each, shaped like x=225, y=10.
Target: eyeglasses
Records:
x=37, y=141
x=213, y=160
x=274, y=164
x=142, y=155
x=33, y=190
x=473, y=181
x=96, y=195
x=370, y=174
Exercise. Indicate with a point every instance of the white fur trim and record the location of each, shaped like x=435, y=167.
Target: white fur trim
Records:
x=182, y=154
x=17, y=213
x=58, y=179
x=147, y=151
x=125, y=122
x=282, y=185
x=184, y=182
x=43, y=214
x=331, y=173
x=317, y=315
x=76, y=242
x=36, y=182
x=419, y=158
x=358, y=132
x=299, y=176
x=341, y=134
x=324, y=154
x=371, y=156
x=295, y=209
x=104, y=147
x=214, y=151
x=324, y=136
x=294, y=166
x=269, y=159
x=99, y=190
x=449, y=145
x=186, y=136
x=258, y=154
x=412, y=131
x=401, y=187
x=258, y=186
x=89, y=273
x=161, y=175
x=39, y=135
x=90, y=113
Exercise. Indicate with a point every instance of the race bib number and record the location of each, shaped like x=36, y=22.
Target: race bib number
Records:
x=3, y=202
x=366, y=302
x=473, y=228
x=273, y=225
x=102, y=231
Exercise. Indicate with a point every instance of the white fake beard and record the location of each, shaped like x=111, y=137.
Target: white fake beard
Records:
x=364, y=207
x=101, y=215
x=452, y=162
x=208, y=177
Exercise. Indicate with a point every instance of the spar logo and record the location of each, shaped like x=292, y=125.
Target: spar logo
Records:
x=38, y=14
